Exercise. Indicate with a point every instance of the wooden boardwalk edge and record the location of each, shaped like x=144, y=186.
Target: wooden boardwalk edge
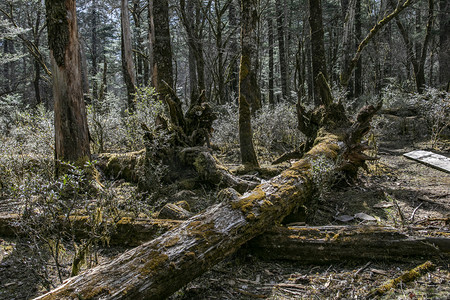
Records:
x=433, y=160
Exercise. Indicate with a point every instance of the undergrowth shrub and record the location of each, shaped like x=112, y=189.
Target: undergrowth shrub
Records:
x=26, y=152
x=114, y=128
x=432, y=105
x=274, y=129
x=48, y=207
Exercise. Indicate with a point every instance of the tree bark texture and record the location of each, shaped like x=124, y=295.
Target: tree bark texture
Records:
x=348, y=12
x=359, y=88
x=281, y=48
x=128, y=68
x=193, y=24
x=162, y=49
x=249, y=94
x=328, y=244
x=305, y=244
x=160, y=267
x=71, y=128
x=444, y=44
x=319, y=64
x=162, y=75
x=234, y=48
x=271, y=63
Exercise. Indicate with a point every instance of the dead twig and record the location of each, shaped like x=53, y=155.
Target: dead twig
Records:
x=414, y=213
x=363, y=268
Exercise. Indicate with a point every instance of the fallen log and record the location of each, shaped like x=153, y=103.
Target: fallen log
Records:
x=160, y=267
x=126, y=231
x=309, y=245
x=327, y=244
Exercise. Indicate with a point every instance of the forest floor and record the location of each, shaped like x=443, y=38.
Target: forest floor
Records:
x=410, y=194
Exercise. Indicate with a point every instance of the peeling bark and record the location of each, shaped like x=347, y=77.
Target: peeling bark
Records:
x=71, y=128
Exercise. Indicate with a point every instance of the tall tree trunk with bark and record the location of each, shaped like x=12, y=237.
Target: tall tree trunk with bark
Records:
x=162, y=75
x=319, y=64
x=249, y=101
x=271, y=64
x=359, y=89
x=151, y=40
x=128, y=69
x=94, y=45
x=348, y=13
x=71, y=128
x=234, y=60
x=444, y=44
x=281, y=48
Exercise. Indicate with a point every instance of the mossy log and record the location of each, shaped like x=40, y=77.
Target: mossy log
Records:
x=160, y=267
x=406, y=277
x=327, y=244
x=196, y=162
x=317, y=244
x=121, y=165
x=125, y=232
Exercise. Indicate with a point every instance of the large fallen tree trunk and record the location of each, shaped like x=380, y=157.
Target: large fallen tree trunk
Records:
x=317, y=244
x=327, y=244
x=160, y=267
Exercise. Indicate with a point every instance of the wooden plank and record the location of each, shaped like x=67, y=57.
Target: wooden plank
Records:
x=436, y=161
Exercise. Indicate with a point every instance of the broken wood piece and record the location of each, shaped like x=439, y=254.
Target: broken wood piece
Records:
x=174, y=212
x=406, y=277
x=325, y=244
x=436, y=161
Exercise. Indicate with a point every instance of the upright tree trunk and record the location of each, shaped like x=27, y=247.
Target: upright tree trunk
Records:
x=281, y=48
x=358, y=35
x=151, y=40
x=420, y=75
x=418, y=58
x=37, y=67
x=348, y=13
x=249, y=100
x=139, y=43
x=271, y=64
x=234, y=62
x=319, y=64
x=71, y=128
x=128, y=68
x=94, y=52
x=192, y=20
x=444, y=44
x=162, y=75
x=162, y=49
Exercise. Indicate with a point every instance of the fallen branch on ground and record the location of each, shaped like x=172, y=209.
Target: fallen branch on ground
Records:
x=406, y=277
